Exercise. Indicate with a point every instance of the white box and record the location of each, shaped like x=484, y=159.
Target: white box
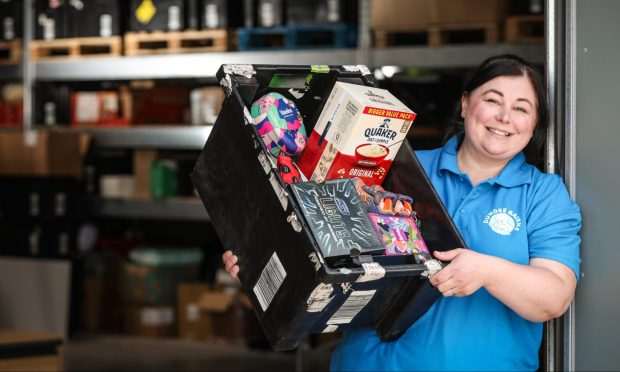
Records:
x=357, y=134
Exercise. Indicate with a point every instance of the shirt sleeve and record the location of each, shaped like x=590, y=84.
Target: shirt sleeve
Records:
x=554, y=223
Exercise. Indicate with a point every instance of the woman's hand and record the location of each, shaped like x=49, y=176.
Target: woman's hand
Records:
x=230, y=263
x=463, y=276
x=539, y=291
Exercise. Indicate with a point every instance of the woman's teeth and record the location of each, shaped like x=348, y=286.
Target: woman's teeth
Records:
x=499, y=132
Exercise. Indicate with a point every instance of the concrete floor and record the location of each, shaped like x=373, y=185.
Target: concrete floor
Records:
x=123, y=353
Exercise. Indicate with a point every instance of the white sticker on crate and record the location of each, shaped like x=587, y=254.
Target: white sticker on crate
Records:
x=226, y=83
x=248, y=116
x=330, y=328
x=372, y=271
x=364, y=70
x=320, y=297
x=351, y=68
x=264, y=161
x=269, y=281
x=243, y=70
x=157, y=316
x=316, y=260
x=356, y=301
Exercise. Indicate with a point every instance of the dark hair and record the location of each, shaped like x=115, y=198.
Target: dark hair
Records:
x=509, y=65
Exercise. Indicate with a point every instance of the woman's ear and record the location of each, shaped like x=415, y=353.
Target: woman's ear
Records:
x=464, y=102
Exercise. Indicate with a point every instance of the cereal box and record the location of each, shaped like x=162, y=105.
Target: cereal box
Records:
x=357, y=134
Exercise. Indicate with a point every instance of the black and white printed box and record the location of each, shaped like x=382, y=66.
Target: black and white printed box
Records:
x=294, y=287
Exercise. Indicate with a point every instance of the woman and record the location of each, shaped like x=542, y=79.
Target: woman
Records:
x=521, y=228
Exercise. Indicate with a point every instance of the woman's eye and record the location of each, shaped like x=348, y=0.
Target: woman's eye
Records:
x=490, y=100
x=522, y=110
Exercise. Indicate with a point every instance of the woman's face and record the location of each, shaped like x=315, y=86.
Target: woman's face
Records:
x=499, y=117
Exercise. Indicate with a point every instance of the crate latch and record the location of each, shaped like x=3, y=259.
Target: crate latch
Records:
x=294, y=221
x=432, y=268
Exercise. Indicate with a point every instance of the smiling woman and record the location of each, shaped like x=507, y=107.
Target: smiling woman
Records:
x=500, y=118
x=521, y=225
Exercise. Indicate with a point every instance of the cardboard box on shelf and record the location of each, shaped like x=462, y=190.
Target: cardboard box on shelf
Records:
x=159, y=105
x=468, y=11
x=215, y=313
x=142, y=161
x=155, y=285
x=192, y=323
x=101, y=108
x=100, y=309
x=400, y=14
x=149, y=320
x=40, y=153
x=116, y=186
x=206, y=103
x=418, y=14
x=153, y=275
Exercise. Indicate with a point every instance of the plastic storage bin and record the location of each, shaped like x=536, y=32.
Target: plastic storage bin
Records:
x=294, y=289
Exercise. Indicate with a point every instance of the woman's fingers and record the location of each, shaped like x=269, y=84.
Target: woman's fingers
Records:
x=230, y=261
x=234, y=271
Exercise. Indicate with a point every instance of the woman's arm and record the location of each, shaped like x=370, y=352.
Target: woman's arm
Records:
x=538, y=292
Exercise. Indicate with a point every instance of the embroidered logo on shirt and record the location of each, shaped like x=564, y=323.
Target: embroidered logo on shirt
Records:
x=503, y=221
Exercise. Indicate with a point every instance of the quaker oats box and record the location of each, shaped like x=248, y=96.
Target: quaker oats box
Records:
x=358, y=134
x=310, y=258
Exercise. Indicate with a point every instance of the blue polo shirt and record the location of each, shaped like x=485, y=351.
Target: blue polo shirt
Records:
x=520, y=214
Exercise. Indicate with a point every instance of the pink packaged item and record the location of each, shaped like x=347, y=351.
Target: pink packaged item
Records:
x=399, y=235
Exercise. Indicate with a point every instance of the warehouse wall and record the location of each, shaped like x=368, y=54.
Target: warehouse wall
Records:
x=597, y=181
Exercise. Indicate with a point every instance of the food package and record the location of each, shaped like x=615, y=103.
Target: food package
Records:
x=357, y=134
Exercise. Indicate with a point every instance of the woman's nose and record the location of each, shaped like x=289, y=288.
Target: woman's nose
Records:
x=503, y=114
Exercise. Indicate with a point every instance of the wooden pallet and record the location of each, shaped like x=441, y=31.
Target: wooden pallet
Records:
x=439, y=34
x=76, y=48
x=160, y=42
x=295, y=37
x=10, y=52
x=525, y=29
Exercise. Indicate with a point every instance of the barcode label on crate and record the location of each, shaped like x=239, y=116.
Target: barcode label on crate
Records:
x=351, y=307
x=269, y=282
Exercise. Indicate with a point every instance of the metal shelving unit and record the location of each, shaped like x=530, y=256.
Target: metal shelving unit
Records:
x=451, y=56
x=199, y=65
x=205, y=65
x=10, y=72
x=180, y=209
x=181, y=137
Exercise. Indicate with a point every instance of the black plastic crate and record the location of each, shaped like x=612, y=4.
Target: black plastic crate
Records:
x=41, y=199
x=50, y=20
x=164, y=15
x=294, y=289
x=11, y=19
x=96, y=18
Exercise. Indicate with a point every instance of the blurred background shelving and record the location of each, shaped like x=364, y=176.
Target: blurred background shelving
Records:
x=132, y=97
